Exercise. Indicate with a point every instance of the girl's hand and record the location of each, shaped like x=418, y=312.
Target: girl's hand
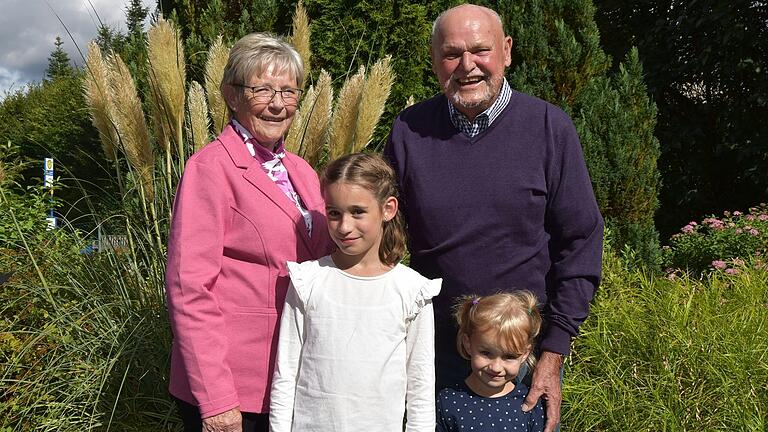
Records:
x=228, y=421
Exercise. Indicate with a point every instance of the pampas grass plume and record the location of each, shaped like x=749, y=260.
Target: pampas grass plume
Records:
x=167, y=77
x=375, y=93
x=300, y=36
x=130, y=121
x=319, y=118
x=342, y=131
x=97, y=94
x=218, y=54
x=294, y=140
x=198, y=116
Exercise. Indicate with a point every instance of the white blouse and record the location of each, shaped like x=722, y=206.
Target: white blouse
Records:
x=354, y=352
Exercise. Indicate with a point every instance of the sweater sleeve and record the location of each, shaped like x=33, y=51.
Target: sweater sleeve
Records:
x=287, y=366
x=420, y=370
x=195, y=253
x=575, y=226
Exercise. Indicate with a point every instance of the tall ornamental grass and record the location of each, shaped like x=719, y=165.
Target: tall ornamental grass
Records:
x=679, y=354
x=84, y=337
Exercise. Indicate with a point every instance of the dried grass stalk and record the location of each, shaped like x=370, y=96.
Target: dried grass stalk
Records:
x=218, y=54
x=300, y=34
x=197, y=110
x=319, y=119
x=375, y=93
x=129, y=119
x=342, y=132
x=167, y=77
x=294, y=140
x=97, y=94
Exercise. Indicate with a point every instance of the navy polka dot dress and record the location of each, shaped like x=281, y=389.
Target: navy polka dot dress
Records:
x=459, y=409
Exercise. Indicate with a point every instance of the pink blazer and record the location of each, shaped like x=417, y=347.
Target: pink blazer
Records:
x=232, y=232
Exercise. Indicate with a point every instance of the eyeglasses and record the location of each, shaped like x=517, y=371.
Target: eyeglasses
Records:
x=264, y=94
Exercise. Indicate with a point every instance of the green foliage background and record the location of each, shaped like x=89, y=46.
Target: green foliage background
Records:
x=705, y=64
x=84, y=339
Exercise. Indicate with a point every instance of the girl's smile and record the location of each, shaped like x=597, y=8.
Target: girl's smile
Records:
x=493, y=369
x=355, y=222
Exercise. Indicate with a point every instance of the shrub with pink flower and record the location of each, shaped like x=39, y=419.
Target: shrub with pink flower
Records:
x=719, y=243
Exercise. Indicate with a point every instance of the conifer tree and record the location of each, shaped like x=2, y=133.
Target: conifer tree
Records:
x=202, y=21
x=109, y=39
x=135, y=15
x=58, y=62
x=706, y=67
x=557, y=56
x=133, y=47
x=372, y=30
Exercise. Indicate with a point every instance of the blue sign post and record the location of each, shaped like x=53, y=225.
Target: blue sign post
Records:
x=48, y=182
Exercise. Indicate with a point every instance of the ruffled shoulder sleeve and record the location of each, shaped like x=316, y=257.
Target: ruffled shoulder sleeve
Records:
x=428, y=289
x=302, y=275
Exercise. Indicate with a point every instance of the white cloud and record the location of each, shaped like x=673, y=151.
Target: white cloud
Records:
x=28, y=30
x=8, y=81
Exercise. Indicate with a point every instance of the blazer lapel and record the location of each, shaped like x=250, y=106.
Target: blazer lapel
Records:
x=304, y=189
x=256, y=176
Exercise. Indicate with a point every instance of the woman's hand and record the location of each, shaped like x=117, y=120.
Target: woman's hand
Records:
x=228, y=421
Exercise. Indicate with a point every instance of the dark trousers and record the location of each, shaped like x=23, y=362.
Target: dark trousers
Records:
x=190, y=415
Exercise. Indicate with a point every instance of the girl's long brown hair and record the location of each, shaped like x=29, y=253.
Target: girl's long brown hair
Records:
x=373, y=173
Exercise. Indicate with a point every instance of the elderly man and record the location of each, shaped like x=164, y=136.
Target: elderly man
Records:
x=497, y=196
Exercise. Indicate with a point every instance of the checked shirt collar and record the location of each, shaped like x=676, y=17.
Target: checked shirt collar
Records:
x=484, y=119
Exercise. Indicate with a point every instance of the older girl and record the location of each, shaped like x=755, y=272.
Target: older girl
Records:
x=356, y=346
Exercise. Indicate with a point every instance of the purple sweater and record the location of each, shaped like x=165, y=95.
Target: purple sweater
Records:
x=511, y=208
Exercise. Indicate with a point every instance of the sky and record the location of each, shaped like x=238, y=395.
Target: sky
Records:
x=28, y=30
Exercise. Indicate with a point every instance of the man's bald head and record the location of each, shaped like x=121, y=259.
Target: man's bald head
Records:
x=463, y=9
x=469, y=55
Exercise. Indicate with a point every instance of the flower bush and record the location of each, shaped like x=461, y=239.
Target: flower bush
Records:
x=727, y=243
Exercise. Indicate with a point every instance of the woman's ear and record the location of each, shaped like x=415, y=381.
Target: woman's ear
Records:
x=389, y=208
x=231, y=97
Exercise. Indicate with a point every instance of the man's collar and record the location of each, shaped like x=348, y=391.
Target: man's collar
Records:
x=492, y=111
x=483, y=120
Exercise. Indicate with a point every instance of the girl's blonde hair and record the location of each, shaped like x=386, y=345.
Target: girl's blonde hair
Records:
x=514, y=317
x=373, y=173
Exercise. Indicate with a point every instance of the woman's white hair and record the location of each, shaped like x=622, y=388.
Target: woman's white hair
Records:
x=254, y=54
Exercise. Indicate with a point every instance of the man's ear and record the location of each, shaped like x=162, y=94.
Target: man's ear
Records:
x=507, y=50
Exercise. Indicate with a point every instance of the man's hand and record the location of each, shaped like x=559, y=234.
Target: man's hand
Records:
x=546, y=384
x=228, y=421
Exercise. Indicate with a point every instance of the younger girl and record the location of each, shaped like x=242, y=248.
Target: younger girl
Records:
x=496, y=334
x=356, y=345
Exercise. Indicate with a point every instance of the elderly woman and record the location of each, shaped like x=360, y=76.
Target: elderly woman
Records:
x=243, y=208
